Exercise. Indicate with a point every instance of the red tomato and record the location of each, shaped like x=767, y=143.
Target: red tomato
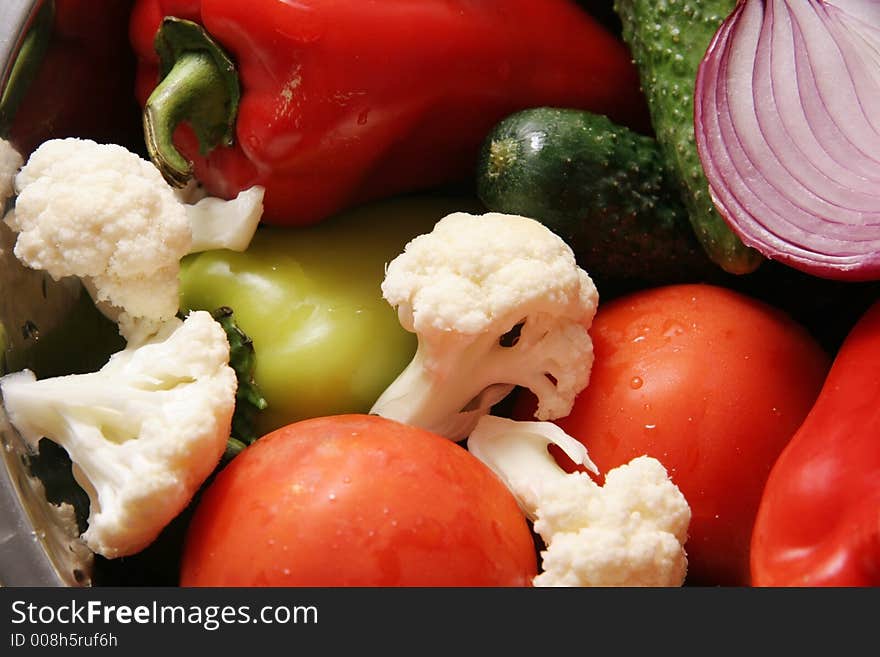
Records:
x=711, y=383
x=357, y=500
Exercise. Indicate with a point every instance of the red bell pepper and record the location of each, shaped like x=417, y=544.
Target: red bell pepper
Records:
x=818, y=523
x=76, y=76
x=342, y=101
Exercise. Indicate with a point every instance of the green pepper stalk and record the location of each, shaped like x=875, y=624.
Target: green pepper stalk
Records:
x=199, y=85
x=347, y=102
x=248, y=398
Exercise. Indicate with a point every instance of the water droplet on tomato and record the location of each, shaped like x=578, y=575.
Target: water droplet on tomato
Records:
x=643, y=332
x=673, y=329
x=636, y=382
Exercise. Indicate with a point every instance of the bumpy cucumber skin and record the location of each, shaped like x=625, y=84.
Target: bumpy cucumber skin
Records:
x=668, y=39
x=601, y=187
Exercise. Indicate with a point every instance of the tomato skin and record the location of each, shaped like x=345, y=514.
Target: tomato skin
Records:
x=711, y=383
x=357, y=500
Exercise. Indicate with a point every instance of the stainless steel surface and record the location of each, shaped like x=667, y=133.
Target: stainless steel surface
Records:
x=14, y=18
x=37, y=544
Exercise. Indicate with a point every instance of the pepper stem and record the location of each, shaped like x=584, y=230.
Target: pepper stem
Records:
x=198, y=85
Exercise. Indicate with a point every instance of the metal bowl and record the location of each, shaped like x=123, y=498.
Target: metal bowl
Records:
x=39, y=544
x=56, y=84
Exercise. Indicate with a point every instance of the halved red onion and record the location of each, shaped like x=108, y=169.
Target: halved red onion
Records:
x=787, y=123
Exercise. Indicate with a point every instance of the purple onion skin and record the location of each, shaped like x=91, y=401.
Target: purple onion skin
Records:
x=787, y=126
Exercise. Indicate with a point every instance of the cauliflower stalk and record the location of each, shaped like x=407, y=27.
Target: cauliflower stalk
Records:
x=496, y=301
x=629, y=532
x=143, y=432
x=105, y=215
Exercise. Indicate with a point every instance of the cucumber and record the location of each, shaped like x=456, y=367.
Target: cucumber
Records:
x=601, y=187
x=668, y=39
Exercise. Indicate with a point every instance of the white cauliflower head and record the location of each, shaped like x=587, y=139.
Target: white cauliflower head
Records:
x=101, y=213
x=106, y=216
x=143, y=432
x=496, y=301
x=10, y=162
x=629, y=532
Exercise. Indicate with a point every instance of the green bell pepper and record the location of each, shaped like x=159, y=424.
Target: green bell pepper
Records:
x=309, y=298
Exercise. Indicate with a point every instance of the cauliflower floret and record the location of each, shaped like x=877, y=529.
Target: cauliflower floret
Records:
x=143, y=432
x=105, y=215
x=629, y=532
x=102, y=213
x=496, y=301
x=220, y=224
x=10, y=162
